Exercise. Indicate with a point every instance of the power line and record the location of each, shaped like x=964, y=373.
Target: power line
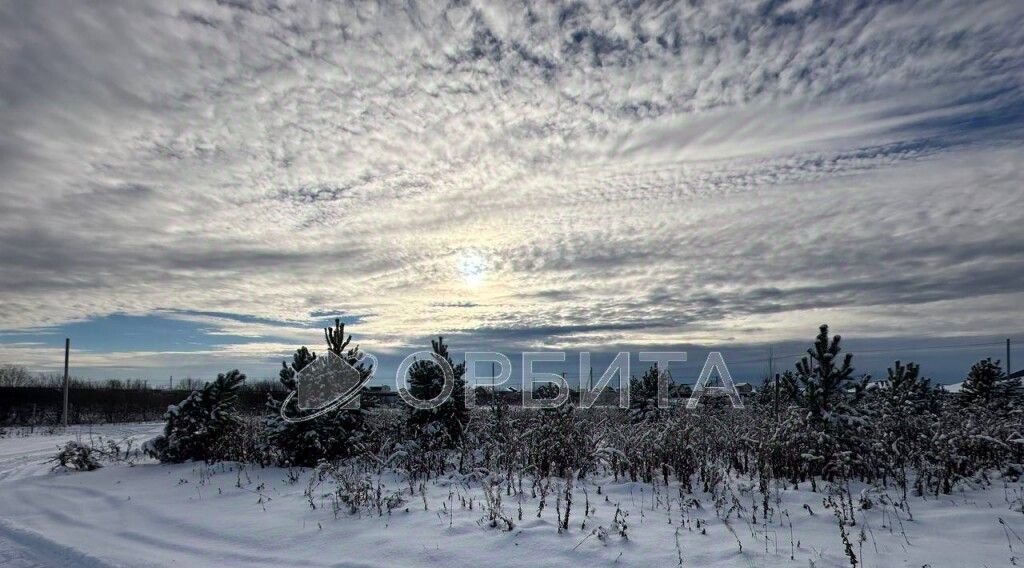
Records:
x=935, y=347
x=885, y=350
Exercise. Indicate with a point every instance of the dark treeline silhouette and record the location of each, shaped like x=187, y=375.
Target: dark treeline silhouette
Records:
x=39, y=402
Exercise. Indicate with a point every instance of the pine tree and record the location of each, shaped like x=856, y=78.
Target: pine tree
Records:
x=336, y=434
x=197, y=426
x=901, y=414
x=820, y=385
x=907, y=390
x=987, y=385
x=643, y=394
x=426, y=381
x=300, y=359
x=546, y=391
x=824, y=432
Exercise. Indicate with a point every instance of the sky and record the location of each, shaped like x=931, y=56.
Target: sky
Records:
x=192, y=186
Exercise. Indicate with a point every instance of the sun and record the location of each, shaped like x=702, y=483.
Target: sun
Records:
x=472, y=267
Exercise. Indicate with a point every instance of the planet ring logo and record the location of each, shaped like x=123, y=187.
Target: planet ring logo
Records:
x=327, y=383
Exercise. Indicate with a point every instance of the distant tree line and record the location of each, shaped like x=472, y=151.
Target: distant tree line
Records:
x=36, y=399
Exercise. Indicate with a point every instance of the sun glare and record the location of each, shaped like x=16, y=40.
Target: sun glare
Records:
x=472, y=268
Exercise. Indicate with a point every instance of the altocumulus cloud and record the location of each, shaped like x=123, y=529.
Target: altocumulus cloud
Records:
x=625, y=173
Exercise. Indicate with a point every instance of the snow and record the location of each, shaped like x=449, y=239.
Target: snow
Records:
x=198, y=515
x=954, y=387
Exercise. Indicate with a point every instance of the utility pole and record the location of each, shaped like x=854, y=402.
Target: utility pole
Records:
x=775, y=382
x=1009, y=368
x=67, y=386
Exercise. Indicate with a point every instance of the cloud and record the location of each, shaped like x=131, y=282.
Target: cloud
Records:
x=632, y=173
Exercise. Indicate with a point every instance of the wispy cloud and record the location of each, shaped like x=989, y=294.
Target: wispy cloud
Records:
x=632, y=173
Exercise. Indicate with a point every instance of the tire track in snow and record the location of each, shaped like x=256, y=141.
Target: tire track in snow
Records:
x=114, y=519
x=35, y=549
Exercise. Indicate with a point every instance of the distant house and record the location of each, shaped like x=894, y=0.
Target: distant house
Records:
x=880, y=384
x=488, y=394
x=953, y=388
x=957, y=387
x=380, y=394
x=681, y=391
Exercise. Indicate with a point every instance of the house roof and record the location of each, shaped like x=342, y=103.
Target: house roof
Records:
x=955, y=387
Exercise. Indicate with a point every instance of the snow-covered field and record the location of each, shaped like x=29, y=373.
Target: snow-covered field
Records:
x=223, y=515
